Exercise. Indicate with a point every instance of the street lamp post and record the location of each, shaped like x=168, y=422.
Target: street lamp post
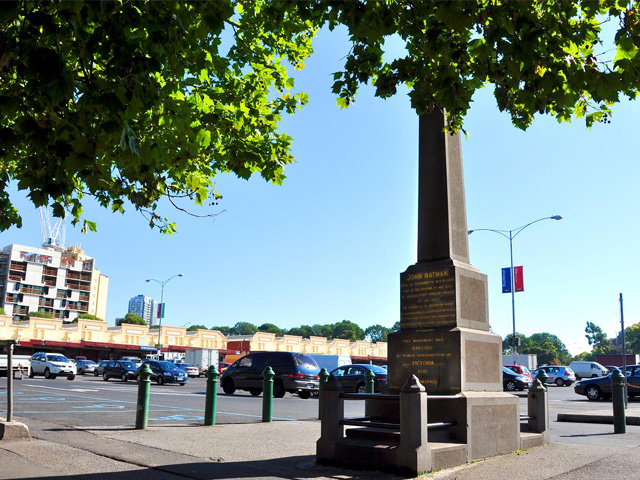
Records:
x=511, y=234
x=162, y=284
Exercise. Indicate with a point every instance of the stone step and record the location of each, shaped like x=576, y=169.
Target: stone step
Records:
x=378, y=454
x=530, y=440
x=386, y=435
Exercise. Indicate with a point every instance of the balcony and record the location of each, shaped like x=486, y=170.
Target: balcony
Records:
x=50, y=272
x=77, y=286
x=51, y=282
x=16, y=278
x=18, y=267
x=20, y=310
x=46, y=302
x=12, y=298
x=32, y=290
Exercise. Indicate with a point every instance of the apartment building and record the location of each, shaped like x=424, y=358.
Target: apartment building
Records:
x=62, y=282
x=145, y=307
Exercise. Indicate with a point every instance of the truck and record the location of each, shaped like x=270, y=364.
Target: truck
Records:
x=202, y=358
x=331, y=362
x=19, y=362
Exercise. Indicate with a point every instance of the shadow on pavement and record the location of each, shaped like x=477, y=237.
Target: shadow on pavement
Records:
x=299, y=467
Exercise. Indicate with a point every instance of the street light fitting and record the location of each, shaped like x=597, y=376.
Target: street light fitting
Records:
x=556, y=217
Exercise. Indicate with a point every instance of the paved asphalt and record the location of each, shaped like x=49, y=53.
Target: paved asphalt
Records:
x=88, y=435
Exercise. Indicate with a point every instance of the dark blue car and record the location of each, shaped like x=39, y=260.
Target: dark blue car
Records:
x=164, y=372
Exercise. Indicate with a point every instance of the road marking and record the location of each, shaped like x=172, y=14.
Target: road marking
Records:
x=80, y=390
x=100, y=406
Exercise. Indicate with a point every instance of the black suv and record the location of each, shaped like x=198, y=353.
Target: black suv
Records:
x=295, y=373
x=122, y=369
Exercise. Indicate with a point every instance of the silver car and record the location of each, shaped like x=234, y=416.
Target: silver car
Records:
x=560, y=375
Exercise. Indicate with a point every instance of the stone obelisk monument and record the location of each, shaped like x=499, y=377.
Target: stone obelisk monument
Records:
x=444, y=336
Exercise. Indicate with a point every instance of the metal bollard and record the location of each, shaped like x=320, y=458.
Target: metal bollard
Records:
x=369, y=382
x=211, y=398
x=142, y=408
x=543, y=377
x=267, y=394
x=324, y=376
x=618, y=397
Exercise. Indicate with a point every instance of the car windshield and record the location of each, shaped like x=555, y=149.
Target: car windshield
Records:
x=184, y=365
x=129, y=365
x=506, y=370
x=166, y=366
x=57, y=358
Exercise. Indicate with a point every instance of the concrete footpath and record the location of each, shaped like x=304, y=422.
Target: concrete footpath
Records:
x=279, y=450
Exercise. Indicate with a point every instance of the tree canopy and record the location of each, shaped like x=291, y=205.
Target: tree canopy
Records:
x=135, y=102
x=131, y=318
x=548, y=347
x=598, y=340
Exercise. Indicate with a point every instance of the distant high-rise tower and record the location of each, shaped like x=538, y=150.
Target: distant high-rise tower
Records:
x=144, y=307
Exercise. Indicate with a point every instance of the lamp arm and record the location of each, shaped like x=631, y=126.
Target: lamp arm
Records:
x=499, y=232
x=519, y=229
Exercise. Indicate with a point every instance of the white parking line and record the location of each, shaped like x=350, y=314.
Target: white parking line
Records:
x=82, y=390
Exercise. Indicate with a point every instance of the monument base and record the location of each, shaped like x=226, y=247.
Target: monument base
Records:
x=447, y=361
x=13, y=430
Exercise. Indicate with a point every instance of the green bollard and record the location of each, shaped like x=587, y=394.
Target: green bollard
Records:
x=544, y=378
x=142, y=408
x=324, y=376
x=369, y=382
x=211, y=398
x=618, y=394
x=267, y=394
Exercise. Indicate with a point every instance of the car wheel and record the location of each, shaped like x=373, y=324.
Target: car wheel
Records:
x=124, y=377
x=95, y=373
x=510, y=386
x=53, y=376
x=160, y=380
x=559, y=382
x=105, y=377
x=255, y=391
x=31, y=374
x=228, y=387
x=278, y=390
x=182, y=384
x=361, y=388
x=593, y=393
x=47, y=373
x=304, y=394
x=71, y=377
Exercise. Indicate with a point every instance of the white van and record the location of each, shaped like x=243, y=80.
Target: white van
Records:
x=588, y=369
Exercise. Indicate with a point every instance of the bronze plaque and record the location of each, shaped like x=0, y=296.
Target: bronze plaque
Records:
x=433, y=357
x=428, y=298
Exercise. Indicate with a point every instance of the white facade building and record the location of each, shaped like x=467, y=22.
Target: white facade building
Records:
x=64, y=283
x=145, y=307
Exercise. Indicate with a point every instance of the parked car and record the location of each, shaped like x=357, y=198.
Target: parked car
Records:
x=164, y=372
x=512, y=381
x=190, y=369
x=122, y=369
x=135, y=360
x=560, y=375
x=222, y=366
x=352, y=378
x=520, y=370
x=600, y=387
x=99, y=370
x=52, y=365
x=85, y=366
x=588, y=369
x=294, y=373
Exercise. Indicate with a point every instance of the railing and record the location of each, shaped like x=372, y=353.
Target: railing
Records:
x=46, y=303
x=18, y=267
x=50, y=272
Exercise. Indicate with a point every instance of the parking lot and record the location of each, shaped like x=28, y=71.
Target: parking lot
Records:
x=89, y=401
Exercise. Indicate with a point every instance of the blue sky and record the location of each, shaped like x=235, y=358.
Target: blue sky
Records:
x=330, y=243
